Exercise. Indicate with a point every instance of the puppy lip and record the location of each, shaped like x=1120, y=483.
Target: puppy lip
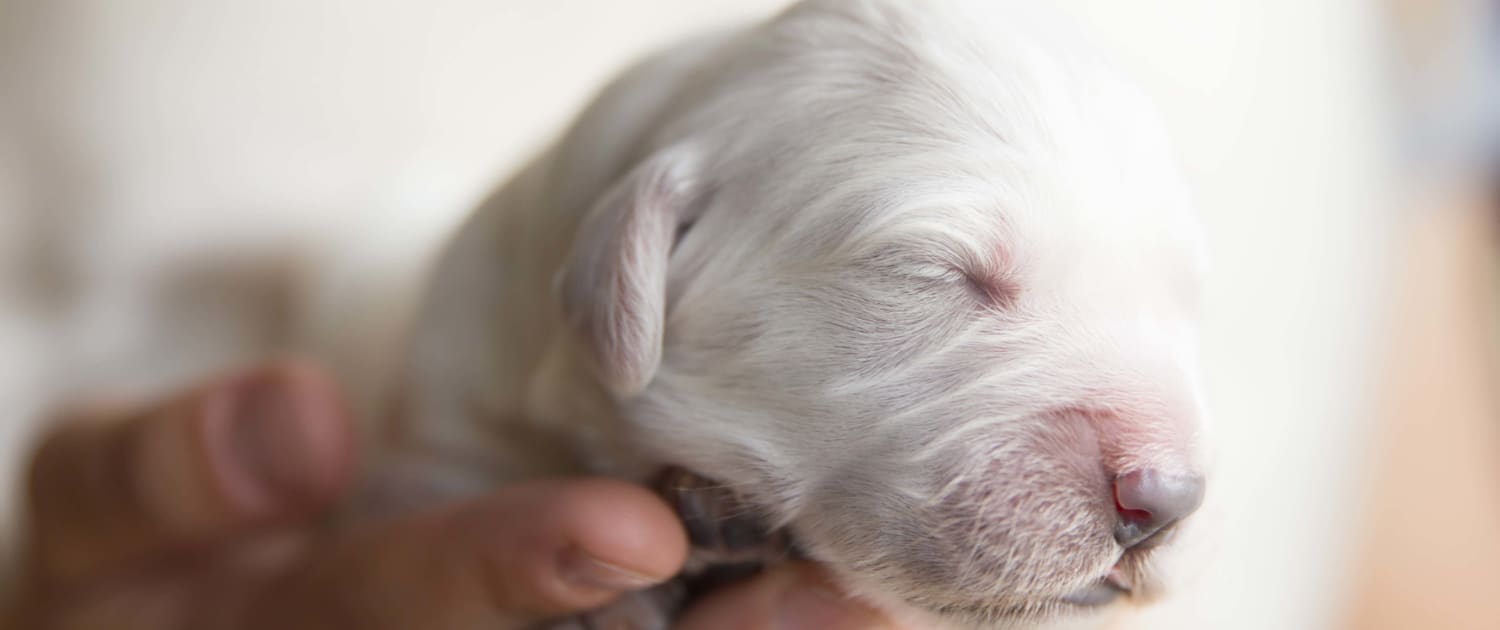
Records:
x=1115, y=584
x=1100, y=593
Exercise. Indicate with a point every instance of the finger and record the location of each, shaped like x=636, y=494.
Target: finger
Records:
x=530, y=552
x=251, y=449
x=790, y=597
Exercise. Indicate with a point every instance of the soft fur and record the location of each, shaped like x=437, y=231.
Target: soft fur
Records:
x=916, y=278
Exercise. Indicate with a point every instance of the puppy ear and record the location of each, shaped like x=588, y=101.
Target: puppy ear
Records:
x=613, y=285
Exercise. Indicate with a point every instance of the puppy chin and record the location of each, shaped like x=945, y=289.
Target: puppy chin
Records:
x=1043, y=615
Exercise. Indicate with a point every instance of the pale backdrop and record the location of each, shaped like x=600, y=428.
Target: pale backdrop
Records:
x=157, y=155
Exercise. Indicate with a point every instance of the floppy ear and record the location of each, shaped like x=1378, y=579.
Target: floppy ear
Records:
x=613, y=284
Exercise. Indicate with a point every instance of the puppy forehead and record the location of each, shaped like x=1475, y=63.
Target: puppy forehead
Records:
x=962, y=136
x=949, y=229
x=1045, y=223
x=1104, y=184
x=990, y=111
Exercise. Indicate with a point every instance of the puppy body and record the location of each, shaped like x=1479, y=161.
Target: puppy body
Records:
x=917, y=280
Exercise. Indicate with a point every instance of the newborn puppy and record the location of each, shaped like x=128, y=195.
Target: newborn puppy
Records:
x=913, y=283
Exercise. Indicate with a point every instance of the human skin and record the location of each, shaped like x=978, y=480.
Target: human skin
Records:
x=207, y=512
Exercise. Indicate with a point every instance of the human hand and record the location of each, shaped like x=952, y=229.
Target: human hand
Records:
x=204, y=513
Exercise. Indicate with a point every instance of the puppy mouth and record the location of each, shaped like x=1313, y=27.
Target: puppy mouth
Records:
x=1097, y=595
x=721, y=525
x=1105, y=591
x=731, y=542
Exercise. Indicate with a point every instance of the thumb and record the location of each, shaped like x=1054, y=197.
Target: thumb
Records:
x=112, y=488
x=526, y=553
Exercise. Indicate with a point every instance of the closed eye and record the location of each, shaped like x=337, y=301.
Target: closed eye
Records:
x=992, y=291
x=935, y=262
x=995, y=290
x=934, y=271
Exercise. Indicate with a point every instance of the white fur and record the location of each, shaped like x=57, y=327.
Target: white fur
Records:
x=939, y=286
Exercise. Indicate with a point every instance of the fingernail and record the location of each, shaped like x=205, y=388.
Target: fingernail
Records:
x=807, y=606
x=581, y=569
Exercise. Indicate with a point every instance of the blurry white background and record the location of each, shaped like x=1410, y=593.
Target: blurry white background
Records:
x=167, y=165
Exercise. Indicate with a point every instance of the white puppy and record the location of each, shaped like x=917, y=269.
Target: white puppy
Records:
x=916, y=280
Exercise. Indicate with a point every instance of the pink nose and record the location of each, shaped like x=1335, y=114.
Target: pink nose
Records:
x=1150, y=503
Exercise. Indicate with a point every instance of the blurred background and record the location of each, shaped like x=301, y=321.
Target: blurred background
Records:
x=186, y=184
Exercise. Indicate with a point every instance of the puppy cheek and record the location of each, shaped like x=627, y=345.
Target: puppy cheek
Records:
x=1023, y=516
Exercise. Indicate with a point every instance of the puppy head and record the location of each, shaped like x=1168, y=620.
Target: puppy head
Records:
x=940, y=327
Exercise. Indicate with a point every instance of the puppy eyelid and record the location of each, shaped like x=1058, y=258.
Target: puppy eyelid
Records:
x=988, y=285
x=995, y=291
x=992, y=291
x=933, y=271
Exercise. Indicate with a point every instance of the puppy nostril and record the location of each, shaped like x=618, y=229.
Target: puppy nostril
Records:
x=1149, y=502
